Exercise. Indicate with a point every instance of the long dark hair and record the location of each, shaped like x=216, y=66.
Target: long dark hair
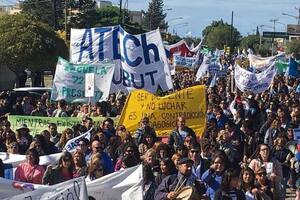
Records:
x=228, y=175
x=66, y=156
x=245, y=186
x=170, y=165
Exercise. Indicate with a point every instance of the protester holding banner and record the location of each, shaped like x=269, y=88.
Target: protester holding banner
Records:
x=80, y=168
x=60, y=173
x=144, y=129
x=30, y=171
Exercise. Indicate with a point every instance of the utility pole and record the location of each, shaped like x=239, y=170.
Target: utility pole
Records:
x=121, y=14
x=274, y=22
x=231, y=35
x=66, y=19
x=298, y=8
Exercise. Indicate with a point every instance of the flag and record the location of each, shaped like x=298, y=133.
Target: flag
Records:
x=213, y=81
x=203, y=68
x=292, y=68
x=72, y=144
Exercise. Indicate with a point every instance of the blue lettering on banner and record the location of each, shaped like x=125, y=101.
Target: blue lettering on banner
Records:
x=83, y=47
x=138, y=60
x=116, y=42
x=101, y=41
x=147, y=48
x=130, y=79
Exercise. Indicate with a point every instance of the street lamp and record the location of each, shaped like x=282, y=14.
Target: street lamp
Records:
x=261, y=32
x=297, y=18
x=181, y=25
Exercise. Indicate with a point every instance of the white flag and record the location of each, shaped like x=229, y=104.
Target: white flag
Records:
x=72, y=144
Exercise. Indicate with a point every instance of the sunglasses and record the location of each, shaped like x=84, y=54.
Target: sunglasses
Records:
x=194, y=151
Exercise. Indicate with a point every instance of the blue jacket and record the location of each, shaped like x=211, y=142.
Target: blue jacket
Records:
x=212, y=182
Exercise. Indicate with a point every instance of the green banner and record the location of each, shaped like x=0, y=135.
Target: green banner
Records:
x=37, y=124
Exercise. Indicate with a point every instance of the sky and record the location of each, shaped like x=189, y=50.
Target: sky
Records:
x=247, y=14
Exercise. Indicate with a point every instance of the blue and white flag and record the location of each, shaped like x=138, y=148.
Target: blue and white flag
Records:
x=213, y=81
x=72, y=144
x=292, y=69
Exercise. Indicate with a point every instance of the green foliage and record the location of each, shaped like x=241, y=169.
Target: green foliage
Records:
x=155, y=17
x=293, y=47
x=250, y=41
x=108, y=16
x=218, y=34
x=86, y=15
x=191, y=40
x=28, y=43
x=49, y=12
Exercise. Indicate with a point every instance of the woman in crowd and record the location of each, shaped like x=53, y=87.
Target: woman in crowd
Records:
x=23, y=138
x=229, y=187
x=130, y=152
x=247, y=179
x=112, y=148
x=149, y=185
x=147, y=142
x=167, y=167
x=30, y=171
x=163, y=151
x=80, y=168
x=213, y=176
x=150, y=159
x=60, y=173
x=13, y=148
x=66, y=135
x=273, y=168
x=176, y=158
x=95, y=167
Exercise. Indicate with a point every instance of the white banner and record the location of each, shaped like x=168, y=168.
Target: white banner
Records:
x=203, y=68
x=72, y=189
x=89, y=85
x=261, y=63
x=121, y=185
x=252, y=82
x=72, y=144
x=11, y=162
x=186, y=62
x=69, y=79
x=141, y=61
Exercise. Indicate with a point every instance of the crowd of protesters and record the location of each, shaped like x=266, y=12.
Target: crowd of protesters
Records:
x=248, y=150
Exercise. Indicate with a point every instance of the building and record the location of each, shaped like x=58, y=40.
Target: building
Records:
x=9, y=7
x=136, y=16
x=101, y=4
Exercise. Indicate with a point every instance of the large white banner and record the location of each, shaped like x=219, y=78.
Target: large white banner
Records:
x=141, y=61
x=253, y=82
x=14, y=190
x=121, y=185
x=11, y=162
x=69, y=81
x=261, y=63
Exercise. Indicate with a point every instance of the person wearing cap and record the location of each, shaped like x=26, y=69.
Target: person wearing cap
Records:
x=171, y=185
x=144, y=129
x=23, y=138
x=178, y=135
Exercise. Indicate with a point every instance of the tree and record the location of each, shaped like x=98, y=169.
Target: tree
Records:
x=85, y=15
x=250, y=41
x=49, y=12
x=218, y=34
x=294, y=48
x=29, y=44
x=155, y=16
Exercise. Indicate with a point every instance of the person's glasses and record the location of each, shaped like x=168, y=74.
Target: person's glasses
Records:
x=129, y=151
x=13, y=147
x=97, y=148
x=194, y=151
